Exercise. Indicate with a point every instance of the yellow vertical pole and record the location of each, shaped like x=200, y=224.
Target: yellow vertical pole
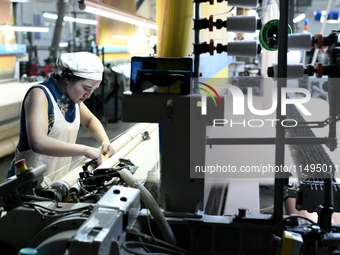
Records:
x=174, y=20
x=175, y=31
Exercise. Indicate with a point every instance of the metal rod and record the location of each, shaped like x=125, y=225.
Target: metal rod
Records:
x=58, y=28
x=103, y=117
x=280, y=130
x=266, y=141
x=332, y=86
x=196, y=56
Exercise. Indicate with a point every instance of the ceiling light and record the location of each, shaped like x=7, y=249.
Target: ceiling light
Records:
x=63, y=44
x=20, y=1
x=50, y=15
x=300, y=17
x=86, y=21
x=116, y=14
x=71, y=19
x=24, y=28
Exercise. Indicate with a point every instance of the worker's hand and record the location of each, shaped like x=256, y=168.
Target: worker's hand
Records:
x=93, y=153
x=107, y=149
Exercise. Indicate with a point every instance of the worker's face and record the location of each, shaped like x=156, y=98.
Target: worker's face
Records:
x=82, y=90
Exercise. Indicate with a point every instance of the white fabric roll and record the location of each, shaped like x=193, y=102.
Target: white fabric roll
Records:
x=8, y=146
x=9, y=129
x=122, y=145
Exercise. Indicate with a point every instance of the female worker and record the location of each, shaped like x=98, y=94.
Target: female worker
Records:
x=51, y=114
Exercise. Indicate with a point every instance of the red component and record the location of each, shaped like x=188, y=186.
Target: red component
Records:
x=47, y=70
x=211, y=47
x=318, y=69
x=211, y=23
x=276, y=241
x=33, y=71
x=19, y=162
x=112, y=85
x=319, y=41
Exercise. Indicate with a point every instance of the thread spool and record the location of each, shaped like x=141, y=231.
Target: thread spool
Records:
x=243, y=3
x=243, y=24
x=301, y=41
x=294, y=71
x=269, y=33
x=243, y=49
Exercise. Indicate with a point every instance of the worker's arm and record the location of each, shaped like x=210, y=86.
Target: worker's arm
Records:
x=95, y=127
x=36, y=112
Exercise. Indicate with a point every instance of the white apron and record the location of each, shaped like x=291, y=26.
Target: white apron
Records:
x=62, y=130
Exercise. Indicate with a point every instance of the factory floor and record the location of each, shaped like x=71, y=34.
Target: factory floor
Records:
x=115, y=129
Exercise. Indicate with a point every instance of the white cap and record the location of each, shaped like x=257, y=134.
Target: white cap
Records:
x=83, y=64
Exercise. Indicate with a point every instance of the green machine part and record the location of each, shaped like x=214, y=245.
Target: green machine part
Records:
x=270, y=31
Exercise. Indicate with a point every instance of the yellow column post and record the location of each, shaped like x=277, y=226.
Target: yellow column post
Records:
x=174, y=19
x=175, y=30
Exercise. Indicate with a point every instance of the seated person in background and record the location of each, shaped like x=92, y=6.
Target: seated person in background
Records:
x=46, y=70
x=52, y=112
